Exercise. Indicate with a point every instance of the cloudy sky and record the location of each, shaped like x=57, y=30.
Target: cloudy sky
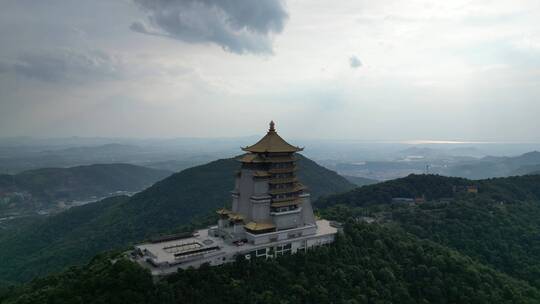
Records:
x=347, y=69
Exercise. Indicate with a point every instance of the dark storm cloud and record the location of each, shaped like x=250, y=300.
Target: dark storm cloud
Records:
x=64, y=65
x=238, y=26
x=354, y=62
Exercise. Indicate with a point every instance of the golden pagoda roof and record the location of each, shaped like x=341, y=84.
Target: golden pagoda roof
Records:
x=254, y=226
x=251, y=158
x=272, y=142
x=261, y=174
x=223, y=211
x=236, y=216
x=260, y=158
x=231, y=215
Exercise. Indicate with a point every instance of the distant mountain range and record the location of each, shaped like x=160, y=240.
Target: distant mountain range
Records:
x=535, y=172
x=494, y=166
x=17, y=159
x=527, y=170
x=419, y=160
x=77, y=234
x=39, y=189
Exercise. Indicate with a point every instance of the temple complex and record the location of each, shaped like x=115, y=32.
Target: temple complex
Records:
x=270, y=215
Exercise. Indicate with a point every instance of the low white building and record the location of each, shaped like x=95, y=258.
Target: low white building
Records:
x=271, y=215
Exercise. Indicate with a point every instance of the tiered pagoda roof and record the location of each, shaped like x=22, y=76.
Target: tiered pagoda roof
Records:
x=261, y=226
x=261, y=158
x=272, y=143
x=230, y=215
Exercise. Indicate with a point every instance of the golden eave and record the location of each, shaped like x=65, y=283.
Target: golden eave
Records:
x=236, y=217
x=251, y=158
x=259, y=158
x=230, y=215
x=287, y=203
x=223, y=211
x=254, y=226
x=295, y=188
x=261, y=174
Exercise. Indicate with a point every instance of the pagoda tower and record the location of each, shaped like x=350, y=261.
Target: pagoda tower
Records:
x=268, y=196
x=271, y=216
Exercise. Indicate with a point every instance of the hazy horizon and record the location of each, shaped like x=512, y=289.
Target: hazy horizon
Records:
x=412, y=142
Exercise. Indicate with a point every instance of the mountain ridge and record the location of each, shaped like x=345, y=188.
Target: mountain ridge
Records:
x=44, y=188
x=494, y=166
x=497, y=224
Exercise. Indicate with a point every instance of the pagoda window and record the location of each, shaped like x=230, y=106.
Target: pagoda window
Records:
x=283, y=249
x=284, y=208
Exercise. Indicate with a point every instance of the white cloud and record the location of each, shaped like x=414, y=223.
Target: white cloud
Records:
x=65, y=65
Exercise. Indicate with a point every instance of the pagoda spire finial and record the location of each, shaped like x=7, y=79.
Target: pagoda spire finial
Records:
x=272, y=126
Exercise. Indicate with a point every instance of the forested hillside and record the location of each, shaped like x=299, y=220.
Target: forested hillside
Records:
x=360, y=181
x=436, y=187
x=368, y=264
x=455, y=246
x=78, y=234
x=499, y=226
x=45, y=188
x=430, y=186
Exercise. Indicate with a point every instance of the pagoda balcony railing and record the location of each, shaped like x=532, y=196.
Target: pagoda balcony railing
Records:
x=296, y=188
x=281, y=159
x=288, y=202
x=283, y=180
x=297, y=210
x=284, y=199
x=283, y=170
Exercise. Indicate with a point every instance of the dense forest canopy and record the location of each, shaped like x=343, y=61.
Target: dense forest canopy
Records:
x=190, y=196
x=367, y=264
x=454, y=246
x=498, y=226
x=436, y=187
